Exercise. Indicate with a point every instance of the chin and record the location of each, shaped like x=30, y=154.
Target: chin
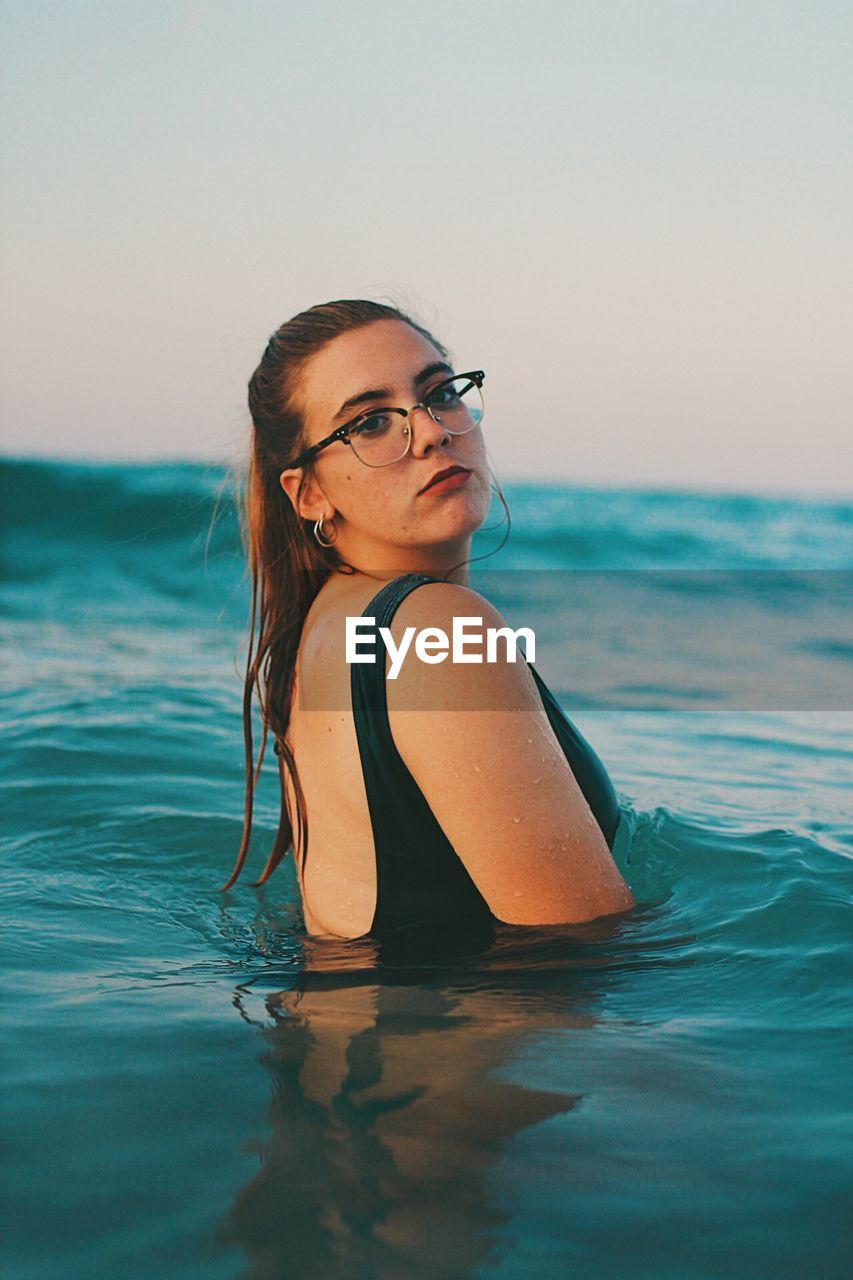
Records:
x=457, y=515
x=461, y=524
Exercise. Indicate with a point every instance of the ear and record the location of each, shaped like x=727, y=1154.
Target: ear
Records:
x=309, y=504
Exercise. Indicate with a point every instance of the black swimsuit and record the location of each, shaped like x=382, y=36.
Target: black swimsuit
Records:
x=421, y=881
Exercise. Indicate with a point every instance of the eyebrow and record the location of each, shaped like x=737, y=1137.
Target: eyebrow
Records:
x=383, y=393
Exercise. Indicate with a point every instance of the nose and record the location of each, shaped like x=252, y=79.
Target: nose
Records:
x=426, y=432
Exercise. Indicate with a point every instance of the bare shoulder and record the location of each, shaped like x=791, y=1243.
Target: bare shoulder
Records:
x=478, y=742
x=471, y=681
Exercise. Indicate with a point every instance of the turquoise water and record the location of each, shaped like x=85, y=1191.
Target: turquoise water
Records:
x=194, y=1088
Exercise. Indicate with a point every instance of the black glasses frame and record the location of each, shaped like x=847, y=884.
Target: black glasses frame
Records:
x=477, y=376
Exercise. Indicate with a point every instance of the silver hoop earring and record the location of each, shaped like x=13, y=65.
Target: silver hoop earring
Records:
x=318, y=532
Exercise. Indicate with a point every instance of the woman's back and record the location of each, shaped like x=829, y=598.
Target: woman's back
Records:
x=383, y=845
x=339, y=888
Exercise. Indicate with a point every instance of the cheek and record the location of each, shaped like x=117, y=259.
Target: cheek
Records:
x=476, y=445
x=478, y=458
x=365, y=504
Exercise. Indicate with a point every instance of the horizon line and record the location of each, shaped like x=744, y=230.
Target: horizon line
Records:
x=686, y=488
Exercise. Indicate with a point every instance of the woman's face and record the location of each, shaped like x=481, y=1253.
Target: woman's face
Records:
x=380, y=511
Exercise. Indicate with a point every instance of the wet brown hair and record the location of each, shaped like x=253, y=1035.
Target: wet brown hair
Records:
x=286, y=563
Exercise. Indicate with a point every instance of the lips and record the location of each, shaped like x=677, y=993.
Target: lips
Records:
x=442, y=475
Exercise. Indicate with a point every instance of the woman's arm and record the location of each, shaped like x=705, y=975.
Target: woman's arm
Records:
x=478, y=742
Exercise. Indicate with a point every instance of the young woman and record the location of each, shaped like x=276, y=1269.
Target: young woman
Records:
x=456, y=793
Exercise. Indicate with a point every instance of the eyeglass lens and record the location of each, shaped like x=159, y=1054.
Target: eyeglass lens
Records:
x=382, y=437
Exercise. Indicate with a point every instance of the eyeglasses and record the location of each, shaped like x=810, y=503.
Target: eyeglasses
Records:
x=379, y=437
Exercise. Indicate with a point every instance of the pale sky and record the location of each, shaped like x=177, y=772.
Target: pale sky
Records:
x=635, y=215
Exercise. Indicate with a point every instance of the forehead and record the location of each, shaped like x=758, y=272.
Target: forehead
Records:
x=387, y=353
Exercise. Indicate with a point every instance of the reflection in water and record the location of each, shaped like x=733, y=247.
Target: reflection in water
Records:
x=387, y=1115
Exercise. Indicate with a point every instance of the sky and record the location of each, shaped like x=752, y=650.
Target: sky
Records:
x=633, y=214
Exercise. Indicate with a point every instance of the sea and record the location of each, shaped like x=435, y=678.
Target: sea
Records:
x=194, y=1087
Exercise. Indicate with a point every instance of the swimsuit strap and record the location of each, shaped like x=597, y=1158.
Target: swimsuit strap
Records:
x=382, y=607
x=384, y=604
x=420, y=879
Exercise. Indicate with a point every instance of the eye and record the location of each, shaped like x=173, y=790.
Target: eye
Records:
x=373, y=424
x=449, y=395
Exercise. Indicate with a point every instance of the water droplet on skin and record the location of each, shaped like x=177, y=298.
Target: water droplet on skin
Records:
x=516, y=819
x=476, y=768
x=537, y=779
x=529, y=739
